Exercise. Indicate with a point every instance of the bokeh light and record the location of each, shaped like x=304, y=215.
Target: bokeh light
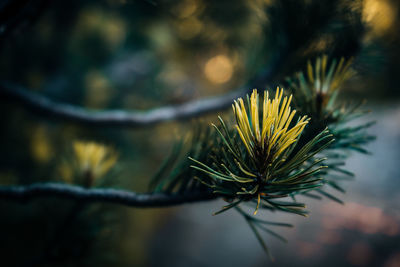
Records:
x=380, y=15
x=218, y=69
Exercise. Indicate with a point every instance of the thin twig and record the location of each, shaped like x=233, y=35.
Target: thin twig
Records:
x=107, y=195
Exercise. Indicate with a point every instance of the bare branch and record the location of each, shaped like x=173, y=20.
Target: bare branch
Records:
x=132, y=118
x=106, y=195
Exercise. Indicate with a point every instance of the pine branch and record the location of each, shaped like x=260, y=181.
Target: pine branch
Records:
x=27, y=193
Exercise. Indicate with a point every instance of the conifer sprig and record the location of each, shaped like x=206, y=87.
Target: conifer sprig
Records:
x=316, y=93
x=255, y=161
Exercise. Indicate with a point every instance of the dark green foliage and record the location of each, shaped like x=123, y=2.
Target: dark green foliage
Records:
x=175, y=174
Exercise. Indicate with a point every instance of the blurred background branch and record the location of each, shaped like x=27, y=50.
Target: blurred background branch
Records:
x=132, y=118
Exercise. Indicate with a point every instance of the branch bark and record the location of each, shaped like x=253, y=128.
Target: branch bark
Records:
x=27, y=193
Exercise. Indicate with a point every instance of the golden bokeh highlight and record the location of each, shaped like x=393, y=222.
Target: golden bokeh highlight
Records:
x=380, y=15
x=186, y=8
x=189, y=28
x=41, y=149
x=98, y=90
x=114, y=31
x=219, y=69
x=111, y=28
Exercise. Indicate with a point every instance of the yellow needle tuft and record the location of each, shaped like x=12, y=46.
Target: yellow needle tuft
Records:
x=271, y=129
x=94, y=158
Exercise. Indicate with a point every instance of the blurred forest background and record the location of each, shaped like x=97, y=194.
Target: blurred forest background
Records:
x=137, y=54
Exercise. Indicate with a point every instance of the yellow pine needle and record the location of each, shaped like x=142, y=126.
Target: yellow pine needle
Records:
x=243, y=170
x=274, y=130
x=258, y=203
x=244, y=141
x=317, y=74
